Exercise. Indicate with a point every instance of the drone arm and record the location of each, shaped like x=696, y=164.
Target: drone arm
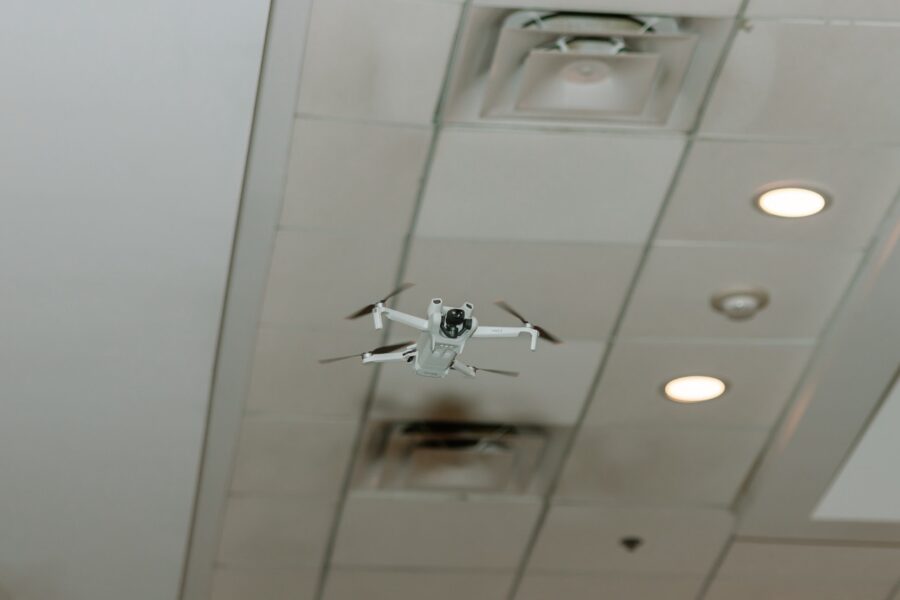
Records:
x=386, y=358
x=507, y=332
x=399, y=317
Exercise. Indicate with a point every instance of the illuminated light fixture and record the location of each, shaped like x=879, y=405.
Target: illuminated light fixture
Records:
x=791, y=202
x=694, y=388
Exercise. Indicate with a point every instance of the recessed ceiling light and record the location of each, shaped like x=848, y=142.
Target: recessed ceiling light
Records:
x=694, y=388
x=791, y=202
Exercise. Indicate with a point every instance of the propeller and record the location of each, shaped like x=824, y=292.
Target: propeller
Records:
x=496, y=371
x=367, y=309
x=379, y=350
x=541, y=331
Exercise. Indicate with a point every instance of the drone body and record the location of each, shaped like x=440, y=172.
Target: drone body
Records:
x=442, y=338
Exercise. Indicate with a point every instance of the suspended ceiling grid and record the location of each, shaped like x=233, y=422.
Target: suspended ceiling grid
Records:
x=380, y=189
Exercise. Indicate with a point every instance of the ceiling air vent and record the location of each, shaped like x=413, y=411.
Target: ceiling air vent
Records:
x=441, y=456
x=576, y=65
x=551, y=66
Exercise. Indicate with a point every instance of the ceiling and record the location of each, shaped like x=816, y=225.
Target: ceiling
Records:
x=297, y=160
x=614, y=237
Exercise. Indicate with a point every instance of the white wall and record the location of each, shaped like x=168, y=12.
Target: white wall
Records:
x=123, y=133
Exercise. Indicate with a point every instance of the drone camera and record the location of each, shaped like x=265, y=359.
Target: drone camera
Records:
x=454, y=323
x=455, y=317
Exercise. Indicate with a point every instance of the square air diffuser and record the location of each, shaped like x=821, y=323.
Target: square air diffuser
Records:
x=586, y=67
x=441, y=456
x=541, y=67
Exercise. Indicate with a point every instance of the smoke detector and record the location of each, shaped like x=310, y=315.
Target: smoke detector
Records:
x=740, y=304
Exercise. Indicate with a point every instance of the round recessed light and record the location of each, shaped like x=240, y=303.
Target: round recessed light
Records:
x=694, y=388
x=791, y=202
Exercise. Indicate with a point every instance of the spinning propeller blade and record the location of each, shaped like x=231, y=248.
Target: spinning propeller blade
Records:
x=367, y=309
x=325, y=361
x=541, y=331
x=497, y=371
x=379, y=350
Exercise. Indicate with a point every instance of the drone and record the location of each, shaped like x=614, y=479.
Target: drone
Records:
x=444, y=333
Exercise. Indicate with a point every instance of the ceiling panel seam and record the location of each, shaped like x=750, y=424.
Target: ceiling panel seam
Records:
x=419, y=569
x=835, y=21
x=346, y=484
x=304, y=116
x=716, y=567
x=751, y=138
x=824, y=542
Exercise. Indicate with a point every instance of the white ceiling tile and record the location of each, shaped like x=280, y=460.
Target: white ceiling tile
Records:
x=263, y=584
x=318, y=279
x=574, y=290
x=552, y=386
x=415, y=585
x=287, y=377
x=614, y=585
x=377, y=59
x=804, y=285
x=857, y=9
x=549, y=186
x=287, y=455
x=806, y=572
x=588, y=539
x=799, y=80
x=662, y=465
x=434, y=532
x=760, y=380
x=714, y=199
x=354, y=176
x=275, y=531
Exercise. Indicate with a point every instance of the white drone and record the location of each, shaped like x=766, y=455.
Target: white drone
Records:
x=444, y=334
